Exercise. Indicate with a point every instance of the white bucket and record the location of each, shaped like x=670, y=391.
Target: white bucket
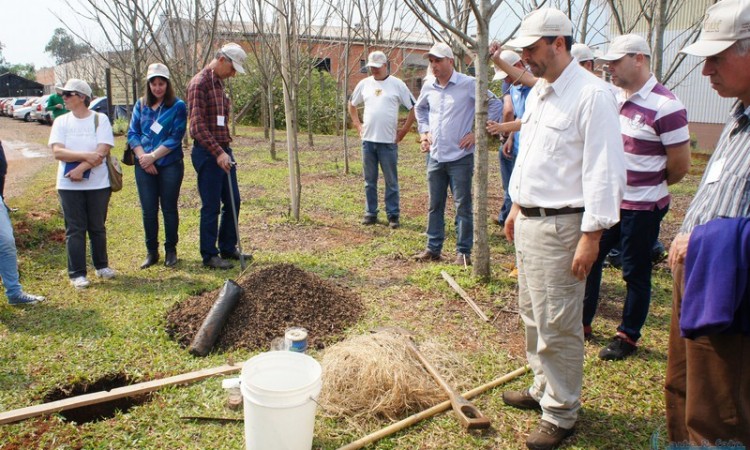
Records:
x=279, y=391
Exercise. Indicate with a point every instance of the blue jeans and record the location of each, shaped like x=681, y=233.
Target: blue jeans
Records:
x=457, y=175
x=506, y=169
x=636, y=233
x=214, y=188
x=8, y=260
x=85, y=212
x=162, y=188
x=374, y=153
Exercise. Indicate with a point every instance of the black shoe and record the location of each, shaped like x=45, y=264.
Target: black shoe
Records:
x=427, y=255
x=151, y=259
x=369, y=220
x=236, y=255
x=520, y=400
x=547, y=436
x=170, y=259
x=393, y=222
x=618, y=349
x=217, y=263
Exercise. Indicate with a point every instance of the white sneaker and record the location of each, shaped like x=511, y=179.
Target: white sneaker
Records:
x=80, y=282
x=105, y=273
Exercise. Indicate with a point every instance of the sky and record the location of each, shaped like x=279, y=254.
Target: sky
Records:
x=27, y=27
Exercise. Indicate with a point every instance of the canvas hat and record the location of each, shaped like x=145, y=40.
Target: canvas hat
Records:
x=377, y=59
x=582, y=52
x=235, y=53
x=76, y=85
x=626, y=44
x=157, y=70
x=725, y=23
x=540, y=23
x=510, y=57
x=440, y=50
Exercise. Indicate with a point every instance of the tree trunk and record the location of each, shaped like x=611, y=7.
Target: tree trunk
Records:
x=657, y=55
x=344, y=110
x=290, y=110
x=271, y=120
x=264, y=112
x=481, y=159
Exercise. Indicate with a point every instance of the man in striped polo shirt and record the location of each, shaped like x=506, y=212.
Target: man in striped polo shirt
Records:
x=655, y=136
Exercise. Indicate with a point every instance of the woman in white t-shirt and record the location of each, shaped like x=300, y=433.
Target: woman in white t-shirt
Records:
x=81, y=142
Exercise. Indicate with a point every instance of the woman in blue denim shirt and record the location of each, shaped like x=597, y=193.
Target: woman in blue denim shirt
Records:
x=155, y=135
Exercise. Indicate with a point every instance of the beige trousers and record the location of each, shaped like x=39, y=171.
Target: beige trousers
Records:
x=550, y=300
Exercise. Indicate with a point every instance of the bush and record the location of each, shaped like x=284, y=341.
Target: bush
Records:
x=120, y=126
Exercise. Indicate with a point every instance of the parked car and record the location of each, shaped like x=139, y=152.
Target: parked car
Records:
x=23, y=112
x=40, y=113
x=13, y=103
x=4, y=102
x=100, y=105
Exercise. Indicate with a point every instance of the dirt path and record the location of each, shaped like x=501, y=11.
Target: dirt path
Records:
x=26, y=152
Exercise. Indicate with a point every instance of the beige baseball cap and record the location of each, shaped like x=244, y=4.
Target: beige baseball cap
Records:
x=236, y=54
x=377, y=59
x=540, y=23
x=440, y=50
x=76, y=85
x=725, y=23
x=626, y=44
x=582, y=52
x=510, y=57
x=157, y=70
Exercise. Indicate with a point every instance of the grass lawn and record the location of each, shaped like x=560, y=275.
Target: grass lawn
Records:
x=118, y=326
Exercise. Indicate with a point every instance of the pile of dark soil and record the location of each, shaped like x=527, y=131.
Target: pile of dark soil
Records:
x=275, y=298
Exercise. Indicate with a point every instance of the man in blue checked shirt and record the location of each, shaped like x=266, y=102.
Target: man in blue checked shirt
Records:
x=445, y=117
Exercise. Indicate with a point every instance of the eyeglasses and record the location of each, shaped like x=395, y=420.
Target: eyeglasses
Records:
x=69, y=94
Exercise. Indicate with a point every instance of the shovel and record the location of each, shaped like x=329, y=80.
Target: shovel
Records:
x=234, y=215
x=468, y=415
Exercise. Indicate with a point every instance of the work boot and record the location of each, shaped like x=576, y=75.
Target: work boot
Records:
x=427, y=255
x=520, y=400
x=151, y=259
x=393, y=222
x=547, y=436
x=620, y=348
x=462, y=259
x=369, y=220
x=171, y=258
x=236, y=255
x=217, y=263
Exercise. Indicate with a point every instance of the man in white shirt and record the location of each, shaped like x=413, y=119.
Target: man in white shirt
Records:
x=382, y=94
x=566, y=188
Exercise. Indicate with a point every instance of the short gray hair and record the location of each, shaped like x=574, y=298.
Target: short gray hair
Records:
x=742, y=46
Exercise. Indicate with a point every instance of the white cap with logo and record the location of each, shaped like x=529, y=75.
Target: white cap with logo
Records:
x=76, y=85
x=235, y=53
x=626, y=44
x=440, y=50
x=540, y=23
x=582, y=52
x=157, y=70
x=510, y=57
x=725, y=23
x=377, y=59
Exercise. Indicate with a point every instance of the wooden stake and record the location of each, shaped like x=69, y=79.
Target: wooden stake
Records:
x=463, y=294
x=18, y=415
x=427, y=413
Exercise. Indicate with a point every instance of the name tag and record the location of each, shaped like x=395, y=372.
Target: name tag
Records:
x=220, y=121
x=714, y=172
x=156, y=127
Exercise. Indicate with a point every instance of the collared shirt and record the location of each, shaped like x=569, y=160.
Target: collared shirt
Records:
x=651, y=120
x=207, y=101
x=448, y=114
x=571, y=153
x=171, y=125
x=724, y=190
x=518, y=96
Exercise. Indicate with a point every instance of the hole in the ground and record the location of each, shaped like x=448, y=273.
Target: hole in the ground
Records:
x=97, y=411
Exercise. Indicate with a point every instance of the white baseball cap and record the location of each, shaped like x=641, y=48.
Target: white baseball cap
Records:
x=626, y=44
x=582, y=52
x=76, y=85
x=540, y=23
x=157, y=70
x=724, y=24
x=440, y=50
x=377, y=59
x=235, y=53
x=510, y=57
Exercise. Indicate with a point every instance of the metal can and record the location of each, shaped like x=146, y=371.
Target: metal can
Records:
x=295, y=339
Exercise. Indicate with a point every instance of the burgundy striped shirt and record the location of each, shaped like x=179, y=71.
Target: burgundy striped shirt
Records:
x=207, y=101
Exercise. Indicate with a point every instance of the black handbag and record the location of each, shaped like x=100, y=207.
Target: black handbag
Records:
x=128, y=157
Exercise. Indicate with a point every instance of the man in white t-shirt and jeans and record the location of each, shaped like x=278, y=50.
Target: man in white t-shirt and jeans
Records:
x=381, y=94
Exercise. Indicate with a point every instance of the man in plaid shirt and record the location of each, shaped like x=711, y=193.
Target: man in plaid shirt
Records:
x=212, y=157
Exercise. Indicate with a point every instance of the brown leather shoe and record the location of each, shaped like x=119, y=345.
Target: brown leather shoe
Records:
x=520, y=399
x=547, y=436
x=427, y=255
x=462, y=259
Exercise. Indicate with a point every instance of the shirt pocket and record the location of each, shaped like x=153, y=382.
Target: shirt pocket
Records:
x=556, y=130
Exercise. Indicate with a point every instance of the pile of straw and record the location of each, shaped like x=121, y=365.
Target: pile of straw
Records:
x=377, y=375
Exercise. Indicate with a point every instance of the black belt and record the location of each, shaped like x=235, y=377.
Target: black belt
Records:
x=544, y=212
